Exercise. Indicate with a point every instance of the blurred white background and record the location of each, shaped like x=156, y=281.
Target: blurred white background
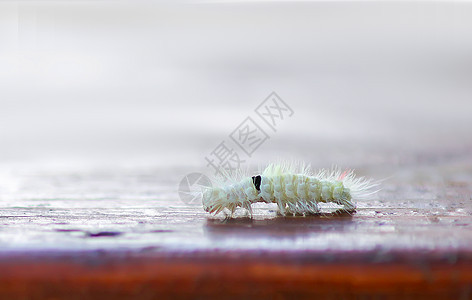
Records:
x=163, y=83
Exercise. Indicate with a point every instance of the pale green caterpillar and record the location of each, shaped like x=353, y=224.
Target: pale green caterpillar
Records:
x=296, y=192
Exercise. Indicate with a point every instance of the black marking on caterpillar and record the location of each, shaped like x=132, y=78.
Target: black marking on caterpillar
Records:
x=256, y=180
x=296, y=192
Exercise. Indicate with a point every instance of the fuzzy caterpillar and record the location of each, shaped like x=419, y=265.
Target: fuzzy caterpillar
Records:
x=296, y=192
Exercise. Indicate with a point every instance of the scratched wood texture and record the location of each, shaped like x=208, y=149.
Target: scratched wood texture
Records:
x=125, y=233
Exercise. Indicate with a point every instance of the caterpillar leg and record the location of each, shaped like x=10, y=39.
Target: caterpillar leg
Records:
x=301, y=208
x=248, y=208
x=349, y=206
x=345, y=210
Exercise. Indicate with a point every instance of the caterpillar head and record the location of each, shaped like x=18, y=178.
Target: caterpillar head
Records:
x=239, y=194
x=214, y=200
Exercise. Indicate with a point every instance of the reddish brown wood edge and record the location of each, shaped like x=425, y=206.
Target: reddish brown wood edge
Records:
x=228, y=276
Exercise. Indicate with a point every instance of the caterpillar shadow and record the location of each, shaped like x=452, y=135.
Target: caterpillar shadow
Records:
x=279, y=226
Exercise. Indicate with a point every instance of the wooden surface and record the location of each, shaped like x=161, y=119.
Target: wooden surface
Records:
x=238, y=274
x=412, y=240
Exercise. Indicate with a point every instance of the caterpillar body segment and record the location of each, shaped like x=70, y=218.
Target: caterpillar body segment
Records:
x=300, y=194
x=296, y=192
